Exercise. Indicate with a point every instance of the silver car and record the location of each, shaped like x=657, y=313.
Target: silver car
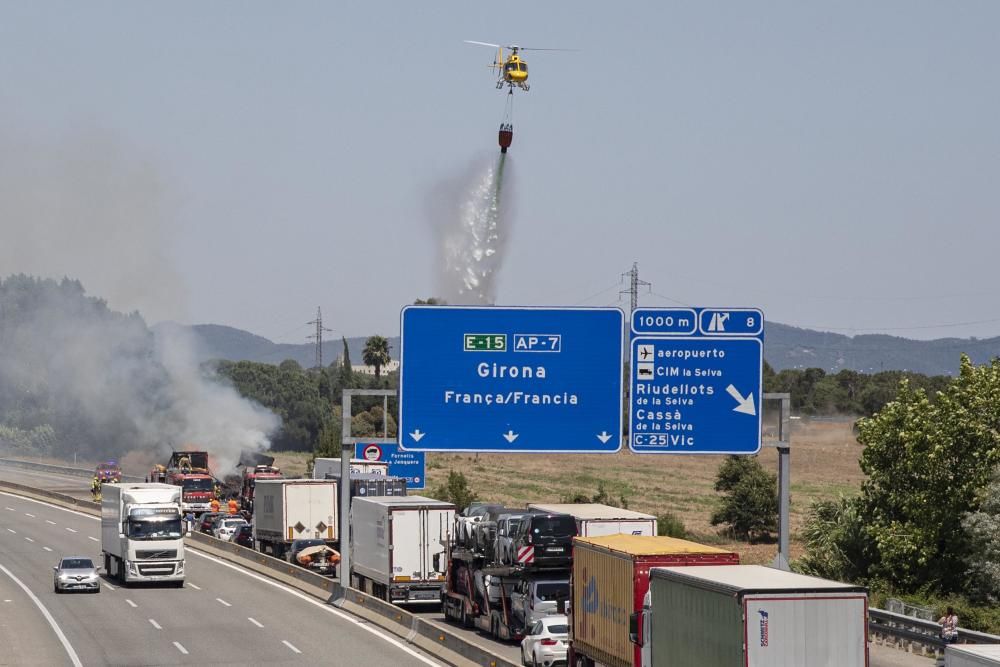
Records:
x=227, y=525
x=75, y=573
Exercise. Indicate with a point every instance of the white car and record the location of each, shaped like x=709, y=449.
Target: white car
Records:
x=546, y=642
x=224, y=528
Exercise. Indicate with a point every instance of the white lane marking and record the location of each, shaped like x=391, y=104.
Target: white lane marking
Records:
x=74, y=658
x=8, y=600
x=378, y=632
x=336, y=612
x=181, y=648
x=52, y=522
x=131, y=604
x=70, y=529
x=29, y=539
x=50, y=505
x=91, y=537
x=47, y=549
x=194, y=586
x=10, y=509
x=11, y=530
x=255, y=622
x=288, y=644
x=31, y=515
x=155, y=624
x=221, y=601
x=109, y=587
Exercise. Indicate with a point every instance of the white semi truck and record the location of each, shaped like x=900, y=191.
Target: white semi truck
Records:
x=142, y=534
x=399, y=547
x=293, y=509
x=746, y=615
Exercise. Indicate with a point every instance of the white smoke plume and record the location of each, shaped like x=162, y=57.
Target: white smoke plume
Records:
x=90, y=208
x=470, y=216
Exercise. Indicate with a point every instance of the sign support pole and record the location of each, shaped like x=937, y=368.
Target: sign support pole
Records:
x=784, y=447
x=346, y=452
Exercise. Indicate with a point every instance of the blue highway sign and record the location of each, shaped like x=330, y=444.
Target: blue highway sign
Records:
x=696, y=380
x=492, y=379
x=411, y=465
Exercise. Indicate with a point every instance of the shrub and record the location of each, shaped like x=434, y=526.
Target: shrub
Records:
x=670, y=525
x=749, y=507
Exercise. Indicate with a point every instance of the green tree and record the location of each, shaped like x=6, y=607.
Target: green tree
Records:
x=927, y=463
x=456, y=490
x=376, y=353
x=982, y=528
x=837, y=545
x=346, y=372
x=749, y=506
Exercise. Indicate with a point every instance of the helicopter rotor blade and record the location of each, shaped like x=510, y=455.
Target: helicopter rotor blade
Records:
x=469, y=41
x=526, y=48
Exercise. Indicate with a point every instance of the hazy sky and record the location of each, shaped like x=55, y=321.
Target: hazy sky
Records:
x=836, y=164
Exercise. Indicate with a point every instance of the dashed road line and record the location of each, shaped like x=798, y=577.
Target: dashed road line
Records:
x=91, y=537
x=11, y=530
x=155, y=624
x=221, y=601
x=181, y=648
x=74, y=658
x=50, y=521
x=289, y=645
x=10, y=509
x=72, y=530
x=47, y=548
x=131, y=604
x=109, y=587
x=29, y=539
x=255, y=622
x=194, y=586
x=31, y=515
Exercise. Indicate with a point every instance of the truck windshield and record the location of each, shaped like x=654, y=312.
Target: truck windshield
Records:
x=197, y=485
x=160, y=529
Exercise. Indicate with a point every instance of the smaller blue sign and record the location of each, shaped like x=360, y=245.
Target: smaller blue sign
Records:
x=411, y=465
x=731, y=322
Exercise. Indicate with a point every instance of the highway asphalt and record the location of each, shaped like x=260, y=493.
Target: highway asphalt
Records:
x=223, y=615
x=249, y=593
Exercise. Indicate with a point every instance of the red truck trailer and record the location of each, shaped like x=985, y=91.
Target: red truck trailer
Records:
x=610, y=580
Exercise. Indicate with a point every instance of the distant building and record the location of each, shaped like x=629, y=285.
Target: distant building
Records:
x=390, y=367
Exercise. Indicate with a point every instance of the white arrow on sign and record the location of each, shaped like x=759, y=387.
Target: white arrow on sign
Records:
x=416, y=435
x=604, y=436
x=510, y=436
x=746, y=405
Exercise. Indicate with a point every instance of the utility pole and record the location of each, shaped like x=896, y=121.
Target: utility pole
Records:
x=633, y=290
x=318, y=336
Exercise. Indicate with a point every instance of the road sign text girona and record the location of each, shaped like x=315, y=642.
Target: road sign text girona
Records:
x=485, y=370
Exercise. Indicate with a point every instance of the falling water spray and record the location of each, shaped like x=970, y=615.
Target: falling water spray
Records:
x=473, y=234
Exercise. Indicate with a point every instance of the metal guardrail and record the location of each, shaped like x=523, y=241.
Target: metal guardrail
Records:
x=61, y=470
x=918, y=632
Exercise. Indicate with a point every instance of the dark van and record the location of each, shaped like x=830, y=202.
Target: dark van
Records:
x=551, y=535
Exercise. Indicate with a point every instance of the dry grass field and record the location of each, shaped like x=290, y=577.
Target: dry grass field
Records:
x=824, y=464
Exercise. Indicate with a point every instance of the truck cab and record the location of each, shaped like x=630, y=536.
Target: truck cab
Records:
x=142, y=534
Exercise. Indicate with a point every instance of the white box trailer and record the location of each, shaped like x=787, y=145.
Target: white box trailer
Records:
x=972, y=655
x=595, y=519
x=290, y=509
x=749, y=615
x=142, y=535
x=323, y=466
x=399, y=547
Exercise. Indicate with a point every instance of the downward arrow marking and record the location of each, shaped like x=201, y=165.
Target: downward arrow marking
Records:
x=416, y=435
x=604, y=436
x=510, y=436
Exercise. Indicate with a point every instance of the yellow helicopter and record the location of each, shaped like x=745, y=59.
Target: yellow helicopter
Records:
x=513, y=70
